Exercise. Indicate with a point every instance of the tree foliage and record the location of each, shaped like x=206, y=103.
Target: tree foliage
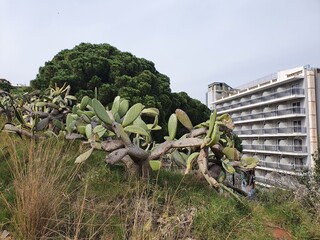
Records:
x=102, y=66
x=5, y=86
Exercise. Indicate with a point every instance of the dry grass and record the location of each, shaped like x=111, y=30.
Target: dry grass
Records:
x=40, y=184
x=105, y=203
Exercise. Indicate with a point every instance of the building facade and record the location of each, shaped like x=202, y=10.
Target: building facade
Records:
x=276, y=118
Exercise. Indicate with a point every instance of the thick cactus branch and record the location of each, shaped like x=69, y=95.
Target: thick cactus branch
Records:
x=203, y=167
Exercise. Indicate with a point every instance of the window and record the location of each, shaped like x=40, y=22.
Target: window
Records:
x=298, y=162
x=295, y=88
x=297, y=126
x=296, y=107
x=297, y=145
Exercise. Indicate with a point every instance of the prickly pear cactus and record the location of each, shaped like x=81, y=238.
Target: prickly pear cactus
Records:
x=36, y=115
x=125, y=133
x=121, y=131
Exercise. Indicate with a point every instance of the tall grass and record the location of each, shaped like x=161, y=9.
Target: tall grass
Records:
x=41, y=179
x=53, y=200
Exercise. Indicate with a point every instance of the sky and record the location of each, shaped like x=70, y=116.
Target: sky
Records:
x=193, y=42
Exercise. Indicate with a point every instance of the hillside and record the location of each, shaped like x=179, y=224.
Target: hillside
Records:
x=44, y=194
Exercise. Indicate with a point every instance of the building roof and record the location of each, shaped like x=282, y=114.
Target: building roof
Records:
x=218, y=83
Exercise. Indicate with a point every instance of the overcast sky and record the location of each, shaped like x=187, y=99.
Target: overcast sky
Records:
x=193, y=42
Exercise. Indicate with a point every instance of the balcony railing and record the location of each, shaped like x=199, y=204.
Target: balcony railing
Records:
x=282, y=166
x=274, y=113
x=285, y=93
x=288, y=148
x=261, y=131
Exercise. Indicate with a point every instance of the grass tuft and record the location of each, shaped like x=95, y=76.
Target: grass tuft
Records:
x=40, y=183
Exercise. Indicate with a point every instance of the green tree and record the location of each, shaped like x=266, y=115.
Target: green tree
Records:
x=197, y=111
x=5, y=86
x=102, y=66
x=237, y=143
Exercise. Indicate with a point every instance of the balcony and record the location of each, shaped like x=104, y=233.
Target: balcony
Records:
x=262, y=131
x=275, y=148
x=285, y=93
x=276, y=165
x=275, y=113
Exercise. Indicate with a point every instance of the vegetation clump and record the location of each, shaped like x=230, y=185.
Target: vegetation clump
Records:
x=98, y=201
x=126, y=134
x=113, y=73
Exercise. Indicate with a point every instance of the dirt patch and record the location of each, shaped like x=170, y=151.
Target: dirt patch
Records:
x=279, y=233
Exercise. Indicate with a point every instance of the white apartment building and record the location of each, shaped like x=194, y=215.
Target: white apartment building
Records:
x=276, y=118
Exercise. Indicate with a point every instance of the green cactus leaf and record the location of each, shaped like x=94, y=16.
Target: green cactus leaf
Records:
x=153, y=128
x=58, y=124
x=191, y=158
x=132, y=114
x=123, y=107
x=101, y=133
x=19, y=116
x=167, y=138
x=84, y=102
x=85, y=118
x=42, y=124
x=172, y=126
x=79, y=112
x=139, y=122
x=119, y=132
x=41, y=104
x=96, y=145
x=152, y=112
x=81, y=129
x=136, y=129
x=71, y=97
x=231, y=153
x=117, y=117
x=184, y=119
x=222, y=176
x=215, y=135
x=84, y=156
x=115, y=105
x=52, y=105
x=212, y=122
x=227, y=166
x=230, y=142
x=155, y=165
x=249, y=162
x=69, y=119
x=101, y=112
x=88, y=131
x=74, y=109
x=178, y=158
x=98, y=128
x=184, y=155
x=226, y=120
x=89, y=114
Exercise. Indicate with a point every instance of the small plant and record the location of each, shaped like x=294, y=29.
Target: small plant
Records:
x=35, y=115
x=40, y=183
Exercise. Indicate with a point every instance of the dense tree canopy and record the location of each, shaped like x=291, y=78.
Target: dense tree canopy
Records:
x=113, y=73
x=5, y=86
